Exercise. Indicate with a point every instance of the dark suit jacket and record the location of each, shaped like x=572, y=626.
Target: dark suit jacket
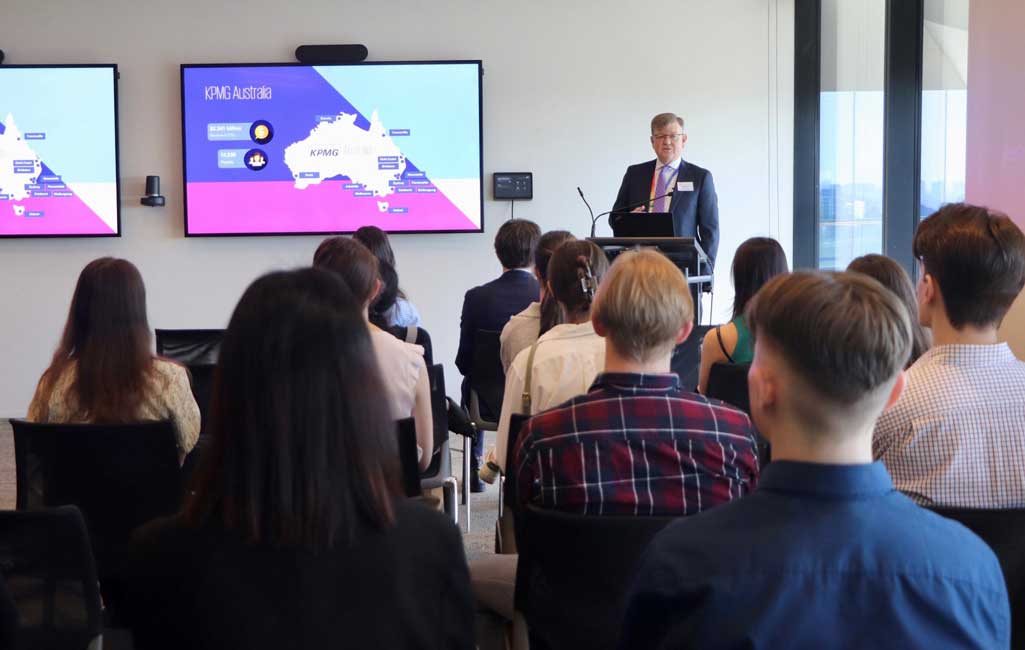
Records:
x=489, y=307
x=695, y=214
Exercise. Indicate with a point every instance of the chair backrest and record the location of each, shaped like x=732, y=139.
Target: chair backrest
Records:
x=408, y=463
x=439, y=413
x=119, y=476
x=686, y=359
x=422, y=338
x=487, y=377
x=516, y=422
x=728, y=382
x=190, y=347
x=574, y=573
x=1004, y=532
x=50, y=577
x=198, y=351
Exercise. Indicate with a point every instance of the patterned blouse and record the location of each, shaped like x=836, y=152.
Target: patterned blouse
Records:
x=169, y=398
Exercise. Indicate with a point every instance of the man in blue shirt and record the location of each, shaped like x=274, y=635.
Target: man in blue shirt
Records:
x=825, y=552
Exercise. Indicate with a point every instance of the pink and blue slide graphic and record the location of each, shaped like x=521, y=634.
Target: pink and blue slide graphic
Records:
x=290, y=149
x=58, y=168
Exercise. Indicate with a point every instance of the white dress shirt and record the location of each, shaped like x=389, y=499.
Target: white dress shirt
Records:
x=567, y=360
x=520, y=332
x=956, y=437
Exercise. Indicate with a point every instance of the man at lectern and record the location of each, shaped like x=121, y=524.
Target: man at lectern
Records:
x=671, y=184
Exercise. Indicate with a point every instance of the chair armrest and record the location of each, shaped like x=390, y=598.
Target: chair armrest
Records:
x=459, y=421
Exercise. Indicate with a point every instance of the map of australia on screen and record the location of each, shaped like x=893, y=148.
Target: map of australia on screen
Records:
x=317, y=149
x=58, y=151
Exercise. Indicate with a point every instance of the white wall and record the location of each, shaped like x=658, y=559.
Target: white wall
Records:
x=569, y=88
x=996, y=133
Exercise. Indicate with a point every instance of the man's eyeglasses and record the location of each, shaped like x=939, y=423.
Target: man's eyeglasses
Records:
x=667, y=137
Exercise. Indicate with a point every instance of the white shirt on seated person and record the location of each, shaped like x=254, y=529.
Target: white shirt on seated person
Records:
x=520, y=333
x=404, y=373
x=567, y=360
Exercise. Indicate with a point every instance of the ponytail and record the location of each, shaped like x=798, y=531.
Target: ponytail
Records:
x=574, y=273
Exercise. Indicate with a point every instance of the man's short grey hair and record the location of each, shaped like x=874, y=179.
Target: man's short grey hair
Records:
x=662, y=120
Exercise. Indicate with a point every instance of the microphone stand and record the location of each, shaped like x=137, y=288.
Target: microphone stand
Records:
x=594, y=219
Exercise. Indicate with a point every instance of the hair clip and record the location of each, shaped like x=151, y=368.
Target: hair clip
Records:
x=587, y=283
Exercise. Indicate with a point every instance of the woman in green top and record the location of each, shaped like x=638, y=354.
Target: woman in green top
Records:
x=757, y=261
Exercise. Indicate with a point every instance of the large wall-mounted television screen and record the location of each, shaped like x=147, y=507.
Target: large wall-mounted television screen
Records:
x=58, y=151
x=300, y=149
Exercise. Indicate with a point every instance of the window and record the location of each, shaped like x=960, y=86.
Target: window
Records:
x=944, y=103
x=880, y=107
x=850, y=206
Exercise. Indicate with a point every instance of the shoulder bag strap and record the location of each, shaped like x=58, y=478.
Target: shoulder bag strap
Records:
x=525, y=398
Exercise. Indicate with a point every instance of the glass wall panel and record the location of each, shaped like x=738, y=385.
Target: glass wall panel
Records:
x=944, y=103
x=850, y=214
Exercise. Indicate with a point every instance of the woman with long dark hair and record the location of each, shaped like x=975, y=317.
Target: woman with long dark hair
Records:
x=293, y=536
x=407, y=389
x=391, y=308
x=103, y=370
x=893, y=276
x=565, y=360
x=756, y=261
x=525, y=327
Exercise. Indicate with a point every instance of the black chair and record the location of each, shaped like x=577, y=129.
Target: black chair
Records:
x=1004, y=531
x=50, y=578
x=486, y=380
x=119, y=476
x=408, y=463
x=686, y=359
x=574, y=572
x=505, y=525
x=439, y=473
x=728, y=382
x=417, y=335
x=198, y=351
x=190, y=347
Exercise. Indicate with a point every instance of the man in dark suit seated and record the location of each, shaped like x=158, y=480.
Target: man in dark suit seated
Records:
x=693, y=202
x=489, y=306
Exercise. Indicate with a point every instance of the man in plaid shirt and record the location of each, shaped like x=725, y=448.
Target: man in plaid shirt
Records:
x=637, y=443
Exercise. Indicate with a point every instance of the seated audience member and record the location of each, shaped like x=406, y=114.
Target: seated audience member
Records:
x=825, y=552
x=525, y=327
x=662, y=450
x=756, y=261
x=407, y=387
x=402, y=313
x=379, y=310
x=293, y=537
x=564, y=362
x=957, y=436
x=489, y=306
x=892, y=275
x=103, y=371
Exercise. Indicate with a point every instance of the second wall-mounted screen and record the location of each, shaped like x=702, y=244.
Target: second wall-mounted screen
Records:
x=297, y=149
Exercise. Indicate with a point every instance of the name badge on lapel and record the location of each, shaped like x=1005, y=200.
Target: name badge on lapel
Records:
x=685, y=186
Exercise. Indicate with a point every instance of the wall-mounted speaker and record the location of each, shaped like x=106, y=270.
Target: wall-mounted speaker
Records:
x=324, y=54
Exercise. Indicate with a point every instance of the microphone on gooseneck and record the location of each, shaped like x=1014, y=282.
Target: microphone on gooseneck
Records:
x=581, y=193
x=627, y=208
